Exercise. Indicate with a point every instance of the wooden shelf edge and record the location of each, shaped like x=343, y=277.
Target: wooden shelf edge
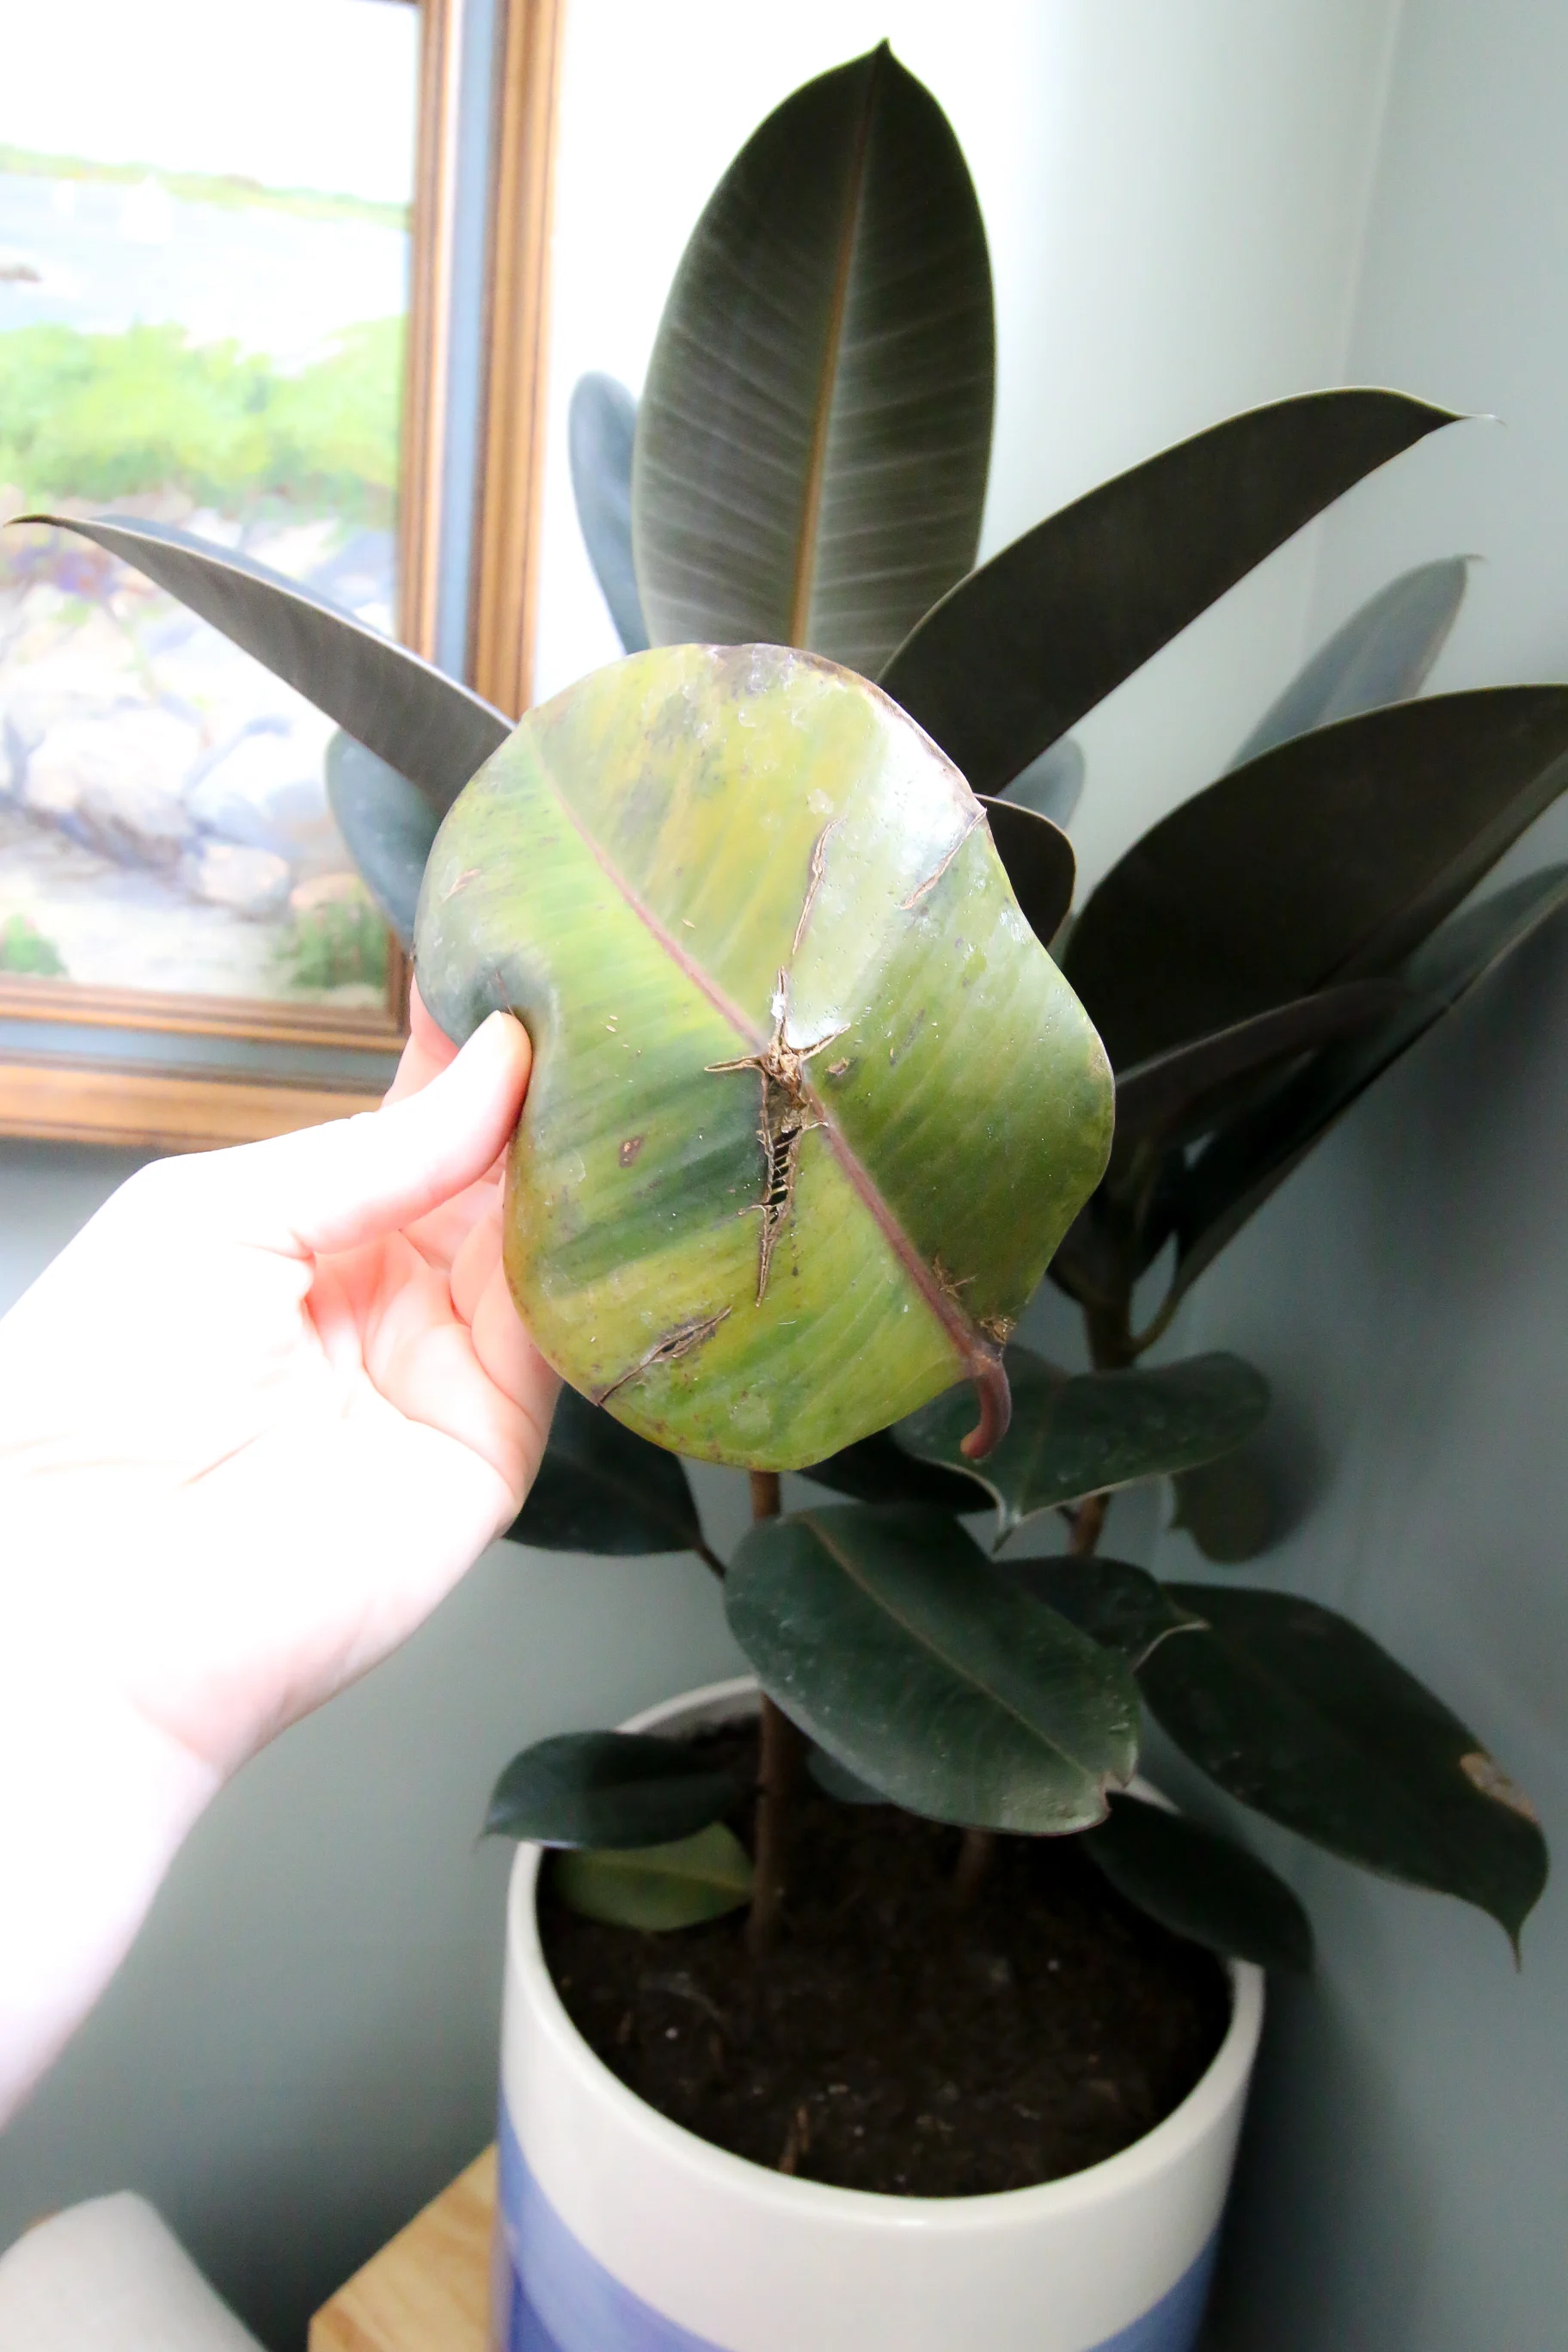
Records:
x=158, y=1111
x=428, y=2288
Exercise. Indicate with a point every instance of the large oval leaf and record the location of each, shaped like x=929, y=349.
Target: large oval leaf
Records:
x=1201, y=1885
x=1072, y=1437
x=658, y=1887
x=1301, y=1714
x=1014, y=655
x=815, y=425
x=877, y=1470
x=1382, y=654
x=601, y=426
x=1118, y=1605
x=422, y=723
x=1250, y=1159
x=1176, y=1096
x=811, y=1105
x=889, y=1636
x=1328, y=859
x=603, y=1488
x=617, y=1789
x=388, y=824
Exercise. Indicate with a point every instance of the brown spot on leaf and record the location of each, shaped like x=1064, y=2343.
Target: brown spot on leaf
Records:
x=667, y=1350
x=1485, y=1773
x=630, y=1147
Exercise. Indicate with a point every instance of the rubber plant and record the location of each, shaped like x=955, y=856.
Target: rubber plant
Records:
x=762, y=1015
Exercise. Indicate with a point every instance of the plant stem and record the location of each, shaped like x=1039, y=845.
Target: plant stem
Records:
x=781, y=1755
x=1088, y=1520
x=710, y=1559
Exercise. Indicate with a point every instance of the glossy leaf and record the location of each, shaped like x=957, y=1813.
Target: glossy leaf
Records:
x=603, y=1488
x=1037, y=858
x=836, y=1779
x=388, y=825
x=422, y=723
x=658, y=1887
x=1201, y=1885
x=877, y=1470
x=1229, y=1508
x=1327, y=860
x=1052, y=784
x=936, y=1105
x=1118, y=1606
x=889, y=1638
x=815, y=425
x=1072, y=1437
x=601, y=425
x=1382, y=654
x=1236, y=1172
x=617, y=1788
x=1021, y=649
x=1297, y=1712
x=1177, y=1096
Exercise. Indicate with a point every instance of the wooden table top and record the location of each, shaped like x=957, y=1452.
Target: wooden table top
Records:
x=428, y=2288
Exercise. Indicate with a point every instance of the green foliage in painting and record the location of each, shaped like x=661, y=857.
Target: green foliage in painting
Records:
x=24, y=949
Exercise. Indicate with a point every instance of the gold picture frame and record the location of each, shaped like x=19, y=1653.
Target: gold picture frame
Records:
x=156, y=1072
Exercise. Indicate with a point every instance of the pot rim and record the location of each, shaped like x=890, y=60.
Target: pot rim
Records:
x=1223, y=2082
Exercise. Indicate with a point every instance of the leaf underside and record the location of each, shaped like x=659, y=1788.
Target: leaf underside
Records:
x=601, y=426
x=888, y=1637
x=758, y=1224
x=814, y=430
x=658, y=1889
x=388, y=825
x=1297, y=1712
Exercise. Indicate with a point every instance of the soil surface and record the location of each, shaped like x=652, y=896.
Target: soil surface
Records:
x=892, y=2041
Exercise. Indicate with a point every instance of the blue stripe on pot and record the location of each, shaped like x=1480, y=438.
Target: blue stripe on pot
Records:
x=553, y=2296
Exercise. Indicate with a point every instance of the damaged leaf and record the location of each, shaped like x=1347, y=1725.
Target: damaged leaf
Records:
x=890, y=1637
x=1301, y=1714
x=804, y=1127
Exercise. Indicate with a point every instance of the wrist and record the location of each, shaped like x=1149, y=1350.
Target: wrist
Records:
x=94, y=1804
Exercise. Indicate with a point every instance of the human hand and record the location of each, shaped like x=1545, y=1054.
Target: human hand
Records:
x=254, y=1422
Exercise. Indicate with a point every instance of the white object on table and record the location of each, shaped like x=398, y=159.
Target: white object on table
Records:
x=111, y=2276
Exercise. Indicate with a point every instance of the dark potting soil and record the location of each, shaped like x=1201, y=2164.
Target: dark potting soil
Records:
x=891, y=2040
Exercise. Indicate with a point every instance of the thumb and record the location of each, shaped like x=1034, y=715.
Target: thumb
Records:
x=331, y=1188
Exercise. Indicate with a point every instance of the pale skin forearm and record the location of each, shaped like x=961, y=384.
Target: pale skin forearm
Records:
x=254, y=1423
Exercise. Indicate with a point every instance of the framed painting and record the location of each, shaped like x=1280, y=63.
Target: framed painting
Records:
x=227, y=298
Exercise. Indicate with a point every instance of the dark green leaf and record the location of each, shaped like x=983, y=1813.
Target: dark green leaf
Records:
x=603, y=1488
x=1039, y=863
x=1176, y=1096
x=657, y=1887
x=1236, y=1173
x=1382, y=654
x=1201, y=1885
x=815, y=427
x=1014, y=655
x=889, y=1636
x=1328, y=859
x=836, y=1779
x=424, y=724
x=1118, y=1605
x=388, y=824
x=619, y=1789
x=1052, y=784
x=1228, y=1507
x=1073, y=1437
x=1297, y=1712
x=600, y=429
x=877, y=1470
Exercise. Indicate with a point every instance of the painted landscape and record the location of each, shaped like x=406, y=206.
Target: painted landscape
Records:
x=225, y=356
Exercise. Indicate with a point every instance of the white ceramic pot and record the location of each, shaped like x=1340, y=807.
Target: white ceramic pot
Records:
x=619, y=2232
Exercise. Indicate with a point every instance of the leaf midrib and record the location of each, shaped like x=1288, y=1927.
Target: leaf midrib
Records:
x=934, y=1649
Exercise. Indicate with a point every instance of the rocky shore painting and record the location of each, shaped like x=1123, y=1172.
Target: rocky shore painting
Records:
x=221, y=350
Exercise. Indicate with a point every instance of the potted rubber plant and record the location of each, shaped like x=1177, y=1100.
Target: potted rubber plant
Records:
x=813, y=1109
